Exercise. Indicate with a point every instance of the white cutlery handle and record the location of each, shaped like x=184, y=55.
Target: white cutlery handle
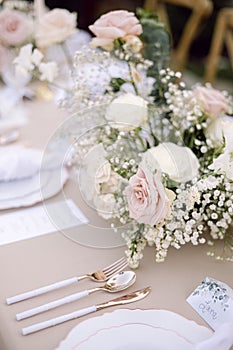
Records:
x=41, y=290
x=51, y=305
x=54, y=321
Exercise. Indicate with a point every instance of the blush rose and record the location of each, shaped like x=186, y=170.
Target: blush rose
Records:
x=113, y=25
x=211, y=100
x=15, y=28
x=148, y=201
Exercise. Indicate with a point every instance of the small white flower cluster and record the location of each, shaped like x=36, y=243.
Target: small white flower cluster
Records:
x=91, y=75
x=99, y=76
x=217, y=201
x=29, y=63
x=20, y=5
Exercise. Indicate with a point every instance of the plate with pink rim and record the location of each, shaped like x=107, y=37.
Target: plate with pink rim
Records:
x=34, y=189
x=137, y=329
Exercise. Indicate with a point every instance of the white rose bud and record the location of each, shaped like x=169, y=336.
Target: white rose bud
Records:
x=178, y=162
x=127, y=111
x=220, y=128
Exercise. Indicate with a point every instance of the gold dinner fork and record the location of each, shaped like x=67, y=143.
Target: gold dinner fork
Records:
x=101, y=275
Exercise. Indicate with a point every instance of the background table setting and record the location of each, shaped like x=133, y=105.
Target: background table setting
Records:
x=116, y=189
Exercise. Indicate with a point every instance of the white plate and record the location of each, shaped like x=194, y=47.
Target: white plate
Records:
x=136, y=330
x=28, y=191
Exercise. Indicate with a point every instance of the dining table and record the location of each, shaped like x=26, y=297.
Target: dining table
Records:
x=38, y=261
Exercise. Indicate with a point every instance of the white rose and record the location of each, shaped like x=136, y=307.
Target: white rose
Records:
x=55, y=27
x=97, y=182
x=219, y=128
x=103, y=173
x=88, y=172
x=105, y=205
x=127, y=111
x=178, y=162
x=106, y=180
x=224, y=163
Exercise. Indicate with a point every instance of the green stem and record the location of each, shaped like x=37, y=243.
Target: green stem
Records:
x=37, y=76
x=140, y=140
x=131, y=77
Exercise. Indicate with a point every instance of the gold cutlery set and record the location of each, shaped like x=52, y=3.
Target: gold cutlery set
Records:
x=115, y=280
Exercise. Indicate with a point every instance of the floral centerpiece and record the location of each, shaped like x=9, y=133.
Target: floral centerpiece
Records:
x=155, y=158
x=26, y=34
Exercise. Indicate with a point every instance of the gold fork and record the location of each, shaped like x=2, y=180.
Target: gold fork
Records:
x=100, y=275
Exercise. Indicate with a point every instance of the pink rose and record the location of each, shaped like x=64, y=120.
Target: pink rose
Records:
x=113, y=25
x=211, y=100
x=55, y=27
x=147, y=199
x=15, y=28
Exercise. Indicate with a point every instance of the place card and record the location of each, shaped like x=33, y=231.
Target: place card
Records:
x=213, y=300
x=40, y=220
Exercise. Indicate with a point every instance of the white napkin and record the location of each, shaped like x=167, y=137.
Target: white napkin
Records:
x=17, y=162
x=221, y=340
x=13, y=113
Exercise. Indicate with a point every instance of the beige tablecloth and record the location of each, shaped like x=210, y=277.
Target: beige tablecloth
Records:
x=39, y=261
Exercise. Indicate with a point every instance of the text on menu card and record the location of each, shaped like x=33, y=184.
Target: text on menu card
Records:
x=40, y=220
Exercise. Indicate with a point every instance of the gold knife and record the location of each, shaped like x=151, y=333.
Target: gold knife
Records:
x=125, y=299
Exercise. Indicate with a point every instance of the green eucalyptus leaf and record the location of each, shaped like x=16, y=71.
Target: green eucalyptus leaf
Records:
x=116, y=84
x=157, y=48
x=156, y=39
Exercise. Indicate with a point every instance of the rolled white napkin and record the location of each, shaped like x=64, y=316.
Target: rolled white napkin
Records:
x=18, y=162
x=221, y=340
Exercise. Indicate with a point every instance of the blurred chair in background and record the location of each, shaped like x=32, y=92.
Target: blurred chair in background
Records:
x=223, y=34
x=200, y=9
